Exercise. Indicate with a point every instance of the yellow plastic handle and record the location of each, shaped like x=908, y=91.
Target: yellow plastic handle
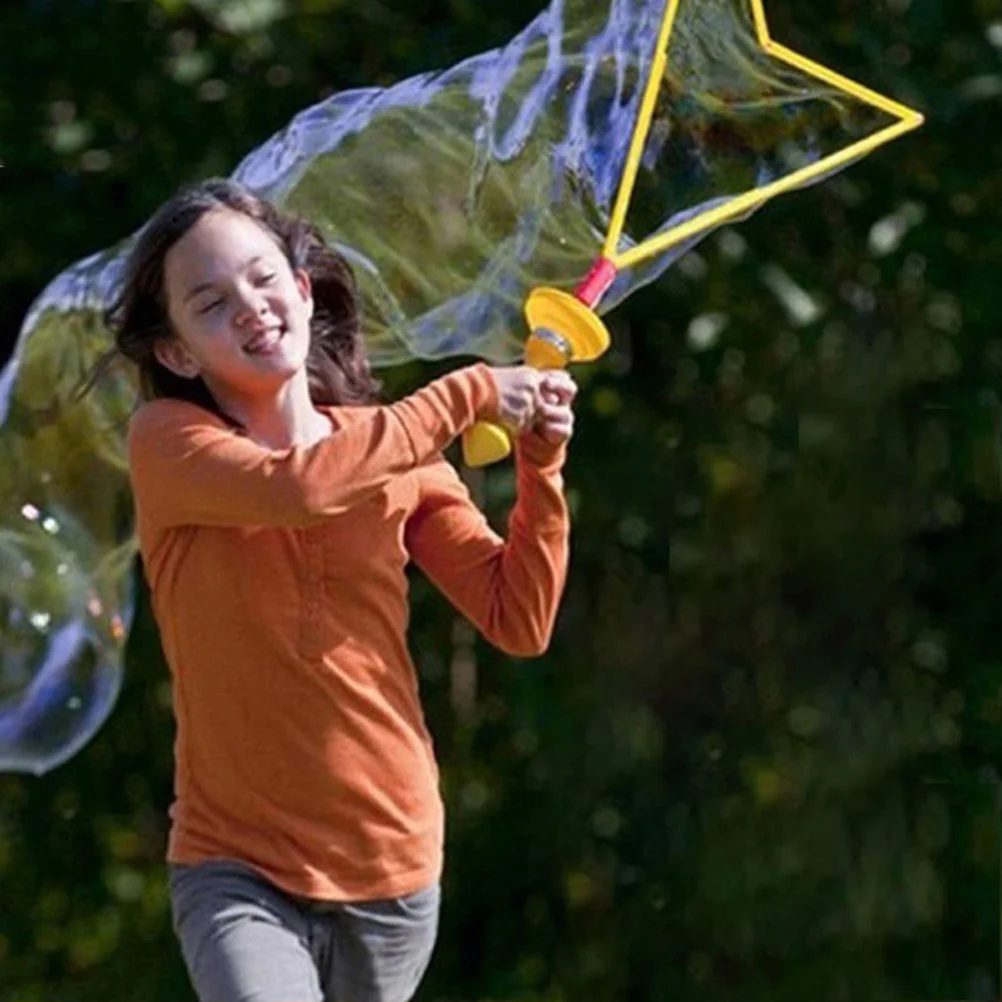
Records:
x=485, y=443
x=563, y=330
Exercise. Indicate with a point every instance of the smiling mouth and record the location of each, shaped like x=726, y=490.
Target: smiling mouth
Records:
x=265, y=342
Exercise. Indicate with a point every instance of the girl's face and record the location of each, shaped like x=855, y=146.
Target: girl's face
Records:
x=240, y=315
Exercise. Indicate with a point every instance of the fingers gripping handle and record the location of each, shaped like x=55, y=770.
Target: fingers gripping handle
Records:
x=564, y=329
x=487, y=443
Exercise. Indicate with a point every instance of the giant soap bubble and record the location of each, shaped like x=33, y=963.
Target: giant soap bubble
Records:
x=452, y=193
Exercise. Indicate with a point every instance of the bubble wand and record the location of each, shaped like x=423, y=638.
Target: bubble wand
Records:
x=351, y=165
x=564, y=326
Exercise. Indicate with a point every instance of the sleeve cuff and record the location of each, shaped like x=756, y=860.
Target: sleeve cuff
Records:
x=533, y=449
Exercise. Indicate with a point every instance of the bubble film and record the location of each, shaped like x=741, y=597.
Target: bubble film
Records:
x=453, y=194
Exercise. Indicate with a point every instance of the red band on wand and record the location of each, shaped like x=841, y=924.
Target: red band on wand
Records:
x=596, y=283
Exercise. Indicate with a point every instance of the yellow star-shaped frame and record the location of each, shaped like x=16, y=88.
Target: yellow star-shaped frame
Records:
x=580, y=334
x=905, y=119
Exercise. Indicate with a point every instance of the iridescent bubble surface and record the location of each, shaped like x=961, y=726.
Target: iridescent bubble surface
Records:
x=453, y=193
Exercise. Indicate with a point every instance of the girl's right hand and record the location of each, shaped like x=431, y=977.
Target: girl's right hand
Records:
x=518, y=389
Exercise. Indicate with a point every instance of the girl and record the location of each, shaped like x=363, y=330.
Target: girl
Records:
x=277, y=507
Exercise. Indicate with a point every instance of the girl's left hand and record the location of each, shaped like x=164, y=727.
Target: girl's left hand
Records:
x=554, y=416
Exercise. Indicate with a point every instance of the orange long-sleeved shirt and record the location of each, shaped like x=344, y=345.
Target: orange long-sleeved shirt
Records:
x=278, y=583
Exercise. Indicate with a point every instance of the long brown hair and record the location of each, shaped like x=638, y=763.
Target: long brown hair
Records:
x=336, y=364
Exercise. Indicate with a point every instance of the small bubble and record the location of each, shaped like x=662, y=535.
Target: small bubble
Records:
x=929, y=652
x=899, y=55
x=30, y=512
x=94, y=161
x=50, y=525
x=760, y=408
x=278, y=76
x=474, y=795
x=213, y=90
x=634, y=531
x=732, y=245
x=693, y=266
x=801, y=307
x=705, y=330
x=182, y=41
x=887, y=234
x=62, y=112
x=190, y=67
x=805, y=721
x=127, y=885
x=40, y=620
x=606, y=822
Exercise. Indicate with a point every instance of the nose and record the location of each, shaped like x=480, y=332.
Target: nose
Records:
x=251, y=305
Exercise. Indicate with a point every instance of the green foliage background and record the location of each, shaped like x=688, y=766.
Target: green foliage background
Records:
x=760, y=760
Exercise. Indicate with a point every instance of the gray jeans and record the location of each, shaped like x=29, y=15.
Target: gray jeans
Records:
x=244, y=940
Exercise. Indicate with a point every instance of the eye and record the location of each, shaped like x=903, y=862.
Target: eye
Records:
x=209, y=307
x=268, y=279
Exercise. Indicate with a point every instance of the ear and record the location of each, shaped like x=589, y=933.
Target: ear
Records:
x=172, y=354
x=305, y=286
